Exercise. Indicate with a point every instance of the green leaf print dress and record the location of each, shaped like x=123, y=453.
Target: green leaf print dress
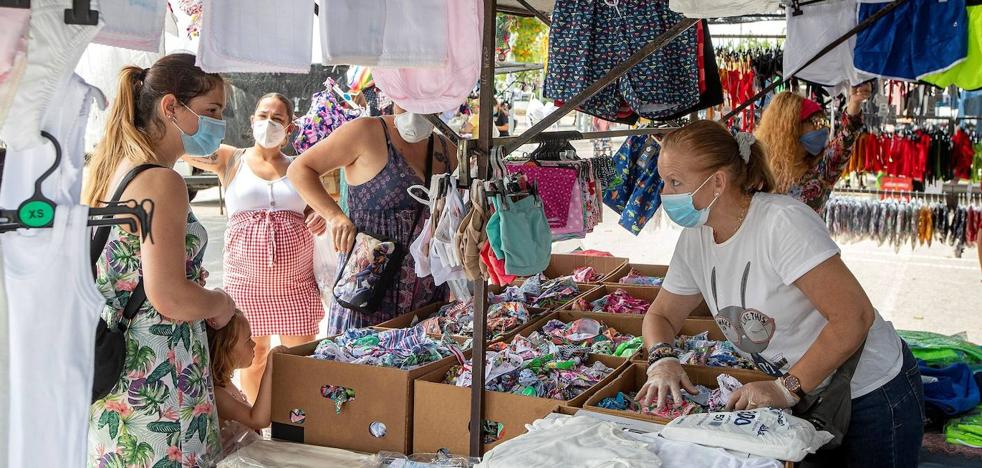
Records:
x=162, y=412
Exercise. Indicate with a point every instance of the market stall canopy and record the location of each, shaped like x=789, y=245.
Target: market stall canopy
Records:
x=516, y=7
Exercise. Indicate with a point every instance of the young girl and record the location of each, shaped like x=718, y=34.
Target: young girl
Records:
x=232, y=348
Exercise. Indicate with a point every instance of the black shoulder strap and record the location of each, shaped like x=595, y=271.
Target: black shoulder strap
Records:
x=385, y=130
x=101, y=237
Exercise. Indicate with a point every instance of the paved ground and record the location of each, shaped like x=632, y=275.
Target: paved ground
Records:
x=923, y=289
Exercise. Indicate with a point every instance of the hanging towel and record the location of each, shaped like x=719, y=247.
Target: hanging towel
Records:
x=229, y=44
x=132, y=24
x=820, y=25
x=14, y=24
x=391, y=33
x=433, y=90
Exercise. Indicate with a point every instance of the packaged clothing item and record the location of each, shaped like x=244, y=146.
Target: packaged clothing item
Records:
x=526, y=241
x=66, y=122
x=617, y=302
x=765, y=432
x=820, y=25
x=965, y=74
x=405, y=349
x=439, y=89
x=966, y=430
x=919, y=37
x=54, y=50
x=228, y=45
x=938, y=350
x=748, y=283
x=534, y=366
x=635, y=193
x=720, y=9
x=385, y=33
x=588, y=39
x=61, y=376
x=131, y=24
x=14, y=24
x=637, y=279
x=955, y=390
x=699, y=350
x=573, y=442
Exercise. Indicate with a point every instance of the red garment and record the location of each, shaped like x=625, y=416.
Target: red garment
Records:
x=962, y=154
x=923, y=147
x=701, y=39
x=496, y=267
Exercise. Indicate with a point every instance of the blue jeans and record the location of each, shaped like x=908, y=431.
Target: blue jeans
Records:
x=887, y=425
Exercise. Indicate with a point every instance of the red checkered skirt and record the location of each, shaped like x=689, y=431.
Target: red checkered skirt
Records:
x=269, y=272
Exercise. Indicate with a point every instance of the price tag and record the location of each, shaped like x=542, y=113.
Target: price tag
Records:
x=36, y=213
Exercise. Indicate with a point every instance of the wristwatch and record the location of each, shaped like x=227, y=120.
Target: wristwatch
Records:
x=793, y=385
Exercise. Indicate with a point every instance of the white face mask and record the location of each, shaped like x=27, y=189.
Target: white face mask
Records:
x=268, y=134
x=413, y=127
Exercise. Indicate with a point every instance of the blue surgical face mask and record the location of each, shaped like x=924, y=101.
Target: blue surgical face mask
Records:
x=206, y=140
x=815, y=140
x=681, y=209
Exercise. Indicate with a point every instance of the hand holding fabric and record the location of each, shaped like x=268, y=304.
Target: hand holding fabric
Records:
x=343, y=232
x=767, y=394
x=664, y=376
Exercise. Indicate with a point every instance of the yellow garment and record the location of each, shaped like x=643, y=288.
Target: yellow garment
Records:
x=968, y=73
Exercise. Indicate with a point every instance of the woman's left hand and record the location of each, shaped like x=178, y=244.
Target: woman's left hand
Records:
x=857, y=97
x=316, y=224
x=766, y=394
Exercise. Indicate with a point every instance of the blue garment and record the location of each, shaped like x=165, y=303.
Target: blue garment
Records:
x=635, y=192
x=525, y=237
x=588, y=38
x=886, y=427
x=955, y=392
x=919, y=37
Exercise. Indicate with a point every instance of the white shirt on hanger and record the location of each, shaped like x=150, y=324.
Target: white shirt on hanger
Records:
x=231, y=42
x=132, y=24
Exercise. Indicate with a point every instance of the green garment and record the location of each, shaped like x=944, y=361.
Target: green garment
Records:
x=942, y=351
x=966, y=430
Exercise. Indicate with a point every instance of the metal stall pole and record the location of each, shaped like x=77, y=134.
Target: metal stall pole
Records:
x=481, y=287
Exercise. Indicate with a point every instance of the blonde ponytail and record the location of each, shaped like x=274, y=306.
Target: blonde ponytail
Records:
x=122, y=140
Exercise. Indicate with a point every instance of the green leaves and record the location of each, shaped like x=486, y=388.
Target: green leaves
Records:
x=111, y=419
x=135, y=452
x=163, y=369
x=164, y=427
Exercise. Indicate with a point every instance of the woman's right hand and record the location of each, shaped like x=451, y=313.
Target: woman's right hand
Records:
x=664, y=376
x=219, y=321
x=343, y=232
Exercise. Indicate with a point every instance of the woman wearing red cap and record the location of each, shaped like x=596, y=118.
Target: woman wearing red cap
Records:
x=795, y=133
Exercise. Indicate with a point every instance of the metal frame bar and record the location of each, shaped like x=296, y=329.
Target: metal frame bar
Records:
x=444, y=128
x=538, y=14
x=544, y=136
x=600, y=84
x=845, y=37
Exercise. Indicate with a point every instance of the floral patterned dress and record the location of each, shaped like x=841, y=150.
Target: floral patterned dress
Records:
x=817, y=183
x=162, y=412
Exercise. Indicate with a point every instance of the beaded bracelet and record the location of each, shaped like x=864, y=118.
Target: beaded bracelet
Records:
x=660, y=351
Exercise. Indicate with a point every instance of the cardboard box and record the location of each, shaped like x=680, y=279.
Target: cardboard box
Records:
x=565, y=264
x=647, y=293
x=645, y=270
x=410, y=318
x=629, y=324
x=691, y=327
x=583, y=288
x=442, y=411
x=634, y=377
x=382, y=395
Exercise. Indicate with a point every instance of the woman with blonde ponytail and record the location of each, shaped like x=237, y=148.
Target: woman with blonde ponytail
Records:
x=162, y=410
x=775, y=284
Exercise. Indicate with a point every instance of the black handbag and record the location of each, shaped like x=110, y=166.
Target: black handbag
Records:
x=831, y=410
x=110, y=344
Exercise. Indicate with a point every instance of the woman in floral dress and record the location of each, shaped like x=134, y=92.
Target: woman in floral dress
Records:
x=162, y=411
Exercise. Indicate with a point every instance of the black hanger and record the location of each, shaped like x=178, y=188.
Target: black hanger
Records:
x=80, y=13
x=38, y=211
x=15, y=4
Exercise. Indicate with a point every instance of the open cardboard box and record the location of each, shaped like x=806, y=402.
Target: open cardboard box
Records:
x=383, y=395
x=583, y=288
x=442, y=411
x=624, y=323
x=644, y=270
x=640, y=292
x=635, y=376
x=565, y=264
x=692, y=327
x=411, y=318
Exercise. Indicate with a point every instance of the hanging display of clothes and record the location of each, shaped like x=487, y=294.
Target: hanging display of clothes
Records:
x=132, y=25
x=921, y=153
x=14, y=25
x=389, y=33
x=820, y=24
x=743, y=70
x=570, y=195
x=285, y=45
x=587, y=39
x=917, y=38
x=635, y=192
x=326, y=115
x=965, y=74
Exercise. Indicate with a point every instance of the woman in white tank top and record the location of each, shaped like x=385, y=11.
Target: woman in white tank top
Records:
x=269, y=244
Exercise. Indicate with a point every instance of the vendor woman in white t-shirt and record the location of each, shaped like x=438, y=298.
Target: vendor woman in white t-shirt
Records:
x=778, y=289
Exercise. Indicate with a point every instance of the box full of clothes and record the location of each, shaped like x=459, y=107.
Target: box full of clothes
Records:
x=504, y=319
x=616, y=299
x=639, y=275
x=540, y=291
x=524, y=380
x=715, y=385
x=585, y=268
x=361, y=381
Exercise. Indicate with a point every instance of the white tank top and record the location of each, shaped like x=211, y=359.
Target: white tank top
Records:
x=248, y=192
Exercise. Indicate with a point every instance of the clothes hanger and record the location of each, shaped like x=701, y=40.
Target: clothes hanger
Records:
x=38, y=211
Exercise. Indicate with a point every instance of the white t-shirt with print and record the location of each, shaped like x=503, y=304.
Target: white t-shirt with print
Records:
x=748, y=282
